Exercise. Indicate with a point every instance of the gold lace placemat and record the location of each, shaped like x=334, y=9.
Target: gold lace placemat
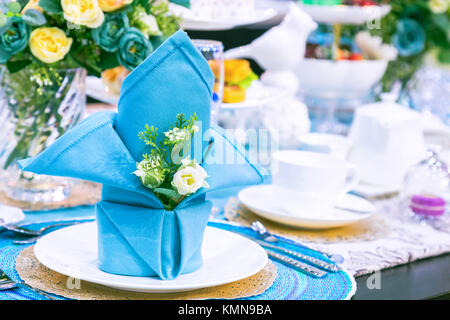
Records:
x=83, y=193
x=369, y=229
x=39, y=276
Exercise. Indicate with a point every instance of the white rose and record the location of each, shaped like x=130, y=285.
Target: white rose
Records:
x=439, y=6
x=190, y=178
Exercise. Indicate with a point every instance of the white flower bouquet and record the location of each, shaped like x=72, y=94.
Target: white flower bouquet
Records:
x=167, y=169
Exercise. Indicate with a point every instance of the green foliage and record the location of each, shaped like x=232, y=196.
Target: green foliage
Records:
x=51, y=6
x=160, y=159
x=437, y=38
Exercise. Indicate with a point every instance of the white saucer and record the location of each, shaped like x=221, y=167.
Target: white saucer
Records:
x=264, y=200
x=192, y=22
x=257, y=95
x=227, y=257
x=345, y=14
x=96, y=89
x=10, y=215
x=373, y=191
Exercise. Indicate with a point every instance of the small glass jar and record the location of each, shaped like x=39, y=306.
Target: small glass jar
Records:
x=212, y=51
x=425, y=193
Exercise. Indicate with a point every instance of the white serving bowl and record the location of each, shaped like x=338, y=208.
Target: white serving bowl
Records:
x=345, y=79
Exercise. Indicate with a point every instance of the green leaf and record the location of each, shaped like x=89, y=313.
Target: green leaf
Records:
x=108, y=60
x=14, y=7
x=171, y=194
x=444, y=55
x=184, y=3
x=15, y=66
x=34, y=18
x=51, y=6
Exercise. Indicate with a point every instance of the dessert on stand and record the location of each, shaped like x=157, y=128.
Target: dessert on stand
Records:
x=330, y=62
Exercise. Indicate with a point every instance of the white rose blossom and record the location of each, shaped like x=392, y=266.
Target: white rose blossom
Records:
x=439, y=6
x=189, y=178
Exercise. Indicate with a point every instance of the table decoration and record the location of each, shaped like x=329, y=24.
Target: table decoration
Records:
x=425, y=190
x=387, y=239
x=46, y=49
x=39, y=276
x=152, y=96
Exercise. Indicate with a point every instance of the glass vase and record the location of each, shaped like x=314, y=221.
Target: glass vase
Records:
x=36, y=107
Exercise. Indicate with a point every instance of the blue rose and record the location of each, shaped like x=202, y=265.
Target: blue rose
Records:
x=134, y=47
x=14, y=39
x=409, y=39
x=107, y=36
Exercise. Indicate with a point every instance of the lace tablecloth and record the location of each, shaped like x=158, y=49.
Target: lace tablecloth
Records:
x=387, y=239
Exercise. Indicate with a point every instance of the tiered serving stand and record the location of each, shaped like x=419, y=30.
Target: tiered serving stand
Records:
x=329, y=82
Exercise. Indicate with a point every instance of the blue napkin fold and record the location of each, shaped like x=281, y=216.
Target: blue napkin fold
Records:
x=136, y=235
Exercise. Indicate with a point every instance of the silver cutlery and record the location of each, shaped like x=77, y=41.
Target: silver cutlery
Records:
x=6, y=283
x=268, y=237
x=29, y=232
x=29, y=240
x=308, y=259
x=297, y=265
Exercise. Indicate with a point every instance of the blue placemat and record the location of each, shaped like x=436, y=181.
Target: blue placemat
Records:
x=289, y=284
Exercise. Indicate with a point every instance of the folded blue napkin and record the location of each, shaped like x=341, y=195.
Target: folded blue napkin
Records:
x=136, y=236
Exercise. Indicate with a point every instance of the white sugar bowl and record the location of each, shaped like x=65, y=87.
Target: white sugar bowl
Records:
x=387, y=139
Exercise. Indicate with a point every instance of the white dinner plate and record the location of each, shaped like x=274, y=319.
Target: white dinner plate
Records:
x=345, y=14
x=96, y=89
x=10, y=215
x=192, y=22
x=264, y=200
x=227, y=257
x=257, y=95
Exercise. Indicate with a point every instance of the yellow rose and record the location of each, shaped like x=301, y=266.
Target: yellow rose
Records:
x=112, y=5
x=83, y=12
x=32, y=4
x=49, y=44
x=439, y=6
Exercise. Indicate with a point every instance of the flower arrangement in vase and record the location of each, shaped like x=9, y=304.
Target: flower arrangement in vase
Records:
x=46, y=49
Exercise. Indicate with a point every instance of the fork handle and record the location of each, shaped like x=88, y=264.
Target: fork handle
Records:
x=300, y=266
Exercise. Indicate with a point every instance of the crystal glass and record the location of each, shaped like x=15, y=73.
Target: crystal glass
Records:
x=425, y=194
x=213, y=53
x=36, y=107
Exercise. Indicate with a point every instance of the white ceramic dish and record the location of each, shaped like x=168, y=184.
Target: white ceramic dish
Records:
x=257, y=95
x=10, y=215
x=373, y=191
x=322, y=78
x=264, y=200
x=96, y=89
x=346, y=14
x=227, y=257
x=192, y=22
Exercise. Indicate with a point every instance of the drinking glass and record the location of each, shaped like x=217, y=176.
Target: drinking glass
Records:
x=212, y=51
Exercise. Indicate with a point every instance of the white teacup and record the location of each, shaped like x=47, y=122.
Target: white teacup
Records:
x=318, y=180
x=336, y=145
